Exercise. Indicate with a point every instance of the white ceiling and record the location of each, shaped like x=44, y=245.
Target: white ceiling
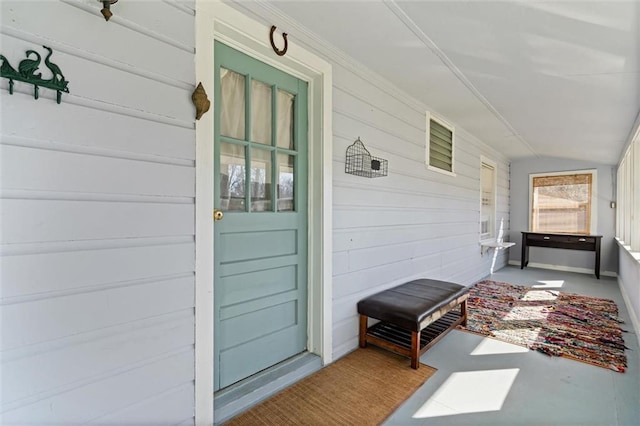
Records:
x=530, y=78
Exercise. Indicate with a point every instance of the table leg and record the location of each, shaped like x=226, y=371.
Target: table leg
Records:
x=597, y=258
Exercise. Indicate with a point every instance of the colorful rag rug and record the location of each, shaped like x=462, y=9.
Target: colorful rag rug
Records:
x=557, y=324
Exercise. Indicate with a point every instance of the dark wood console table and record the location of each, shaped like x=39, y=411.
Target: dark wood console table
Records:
x=564, y=241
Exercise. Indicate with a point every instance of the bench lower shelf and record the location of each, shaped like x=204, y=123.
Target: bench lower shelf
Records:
x=399, y=340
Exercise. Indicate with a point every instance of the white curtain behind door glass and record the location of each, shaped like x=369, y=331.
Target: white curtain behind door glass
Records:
x=231, y=104
x=285, y=120
x=260, y=112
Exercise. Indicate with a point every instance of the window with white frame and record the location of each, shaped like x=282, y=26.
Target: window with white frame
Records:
x=440, y=145
x=628, y=196
x=563, y=202
x=488, y=186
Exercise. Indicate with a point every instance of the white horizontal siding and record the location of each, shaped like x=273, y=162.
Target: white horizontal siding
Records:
x=412, y=223
x=125, y=44
x=81, y=220
x=93, y=399
x=97, y=216
x=97, y=213
x=110, y=133
x=31, y=322
x=30, y=371
x=163, y=409
x=46, y=169
x=85, y=270
x=101, y=81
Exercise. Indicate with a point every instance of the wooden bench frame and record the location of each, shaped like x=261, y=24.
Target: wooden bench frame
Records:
x=414, y=343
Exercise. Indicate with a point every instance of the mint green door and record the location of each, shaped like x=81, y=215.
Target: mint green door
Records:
x=260, y=289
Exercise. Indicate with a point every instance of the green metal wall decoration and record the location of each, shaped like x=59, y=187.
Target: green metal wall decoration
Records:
x=27, y=73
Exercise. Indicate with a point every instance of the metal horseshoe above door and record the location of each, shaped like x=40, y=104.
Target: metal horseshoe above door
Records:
x=273, y=45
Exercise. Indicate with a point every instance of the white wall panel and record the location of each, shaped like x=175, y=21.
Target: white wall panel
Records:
x=161, y=18
x=47, y=170
x=98, y=220
x=104, y=132
x=356, y=194
x=106, y=394
x=357, y=218
x=629, y=280
x=412, y=223
x=364, y=90
x=85, y=269
x=158, y=410
x=383, y=120
x=146, y=50
x=31, y=221
x=97, y=216
x=37, y=321
x=73, y=363
x=101, y=82
x=350, y=239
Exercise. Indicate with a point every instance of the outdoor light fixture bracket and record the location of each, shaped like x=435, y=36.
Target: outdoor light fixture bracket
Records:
x=106, y=8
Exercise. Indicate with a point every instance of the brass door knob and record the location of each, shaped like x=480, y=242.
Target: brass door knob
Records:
x=217, y=215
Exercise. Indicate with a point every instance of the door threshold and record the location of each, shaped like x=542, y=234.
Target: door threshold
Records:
x=243, y=395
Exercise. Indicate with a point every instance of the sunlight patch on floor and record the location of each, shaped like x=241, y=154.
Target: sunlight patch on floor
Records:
x=535, y=295
x=549, y=284
x=527, y=313
x=518, y=335
x=469, y=392
x=496, y=347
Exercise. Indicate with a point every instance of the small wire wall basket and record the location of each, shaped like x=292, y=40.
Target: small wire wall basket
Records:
x=359, y=162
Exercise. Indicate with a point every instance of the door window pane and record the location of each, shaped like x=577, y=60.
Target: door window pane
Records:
x=260, y=112
x=285, y=120
x=260, y=180
x=286, y=189
x=232, y=177
x=231, y=104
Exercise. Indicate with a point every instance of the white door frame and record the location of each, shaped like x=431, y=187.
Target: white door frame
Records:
x=218, y=21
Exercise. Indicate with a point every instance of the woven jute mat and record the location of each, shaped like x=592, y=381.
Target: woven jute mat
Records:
x=362, y=388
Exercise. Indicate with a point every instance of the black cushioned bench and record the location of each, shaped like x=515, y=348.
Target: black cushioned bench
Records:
x=413, y=316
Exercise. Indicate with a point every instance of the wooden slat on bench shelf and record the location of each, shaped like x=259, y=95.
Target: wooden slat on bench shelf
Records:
x=437, y=328
x=391, y=333
x=402, y=337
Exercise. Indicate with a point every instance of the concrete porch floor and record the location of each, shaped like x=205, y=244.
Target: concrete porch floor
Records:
x=486, y=382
